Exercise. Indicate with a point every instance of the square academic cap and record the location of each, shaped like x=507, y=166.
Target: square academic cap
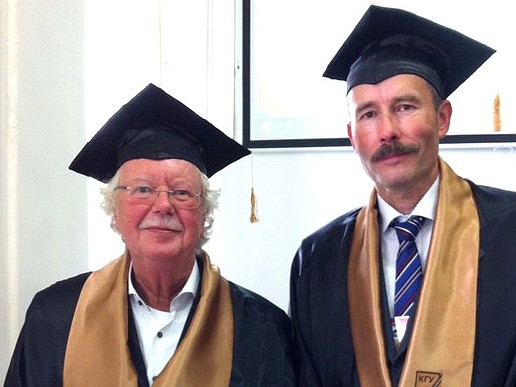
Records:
x=390, y=41
x=154, y=125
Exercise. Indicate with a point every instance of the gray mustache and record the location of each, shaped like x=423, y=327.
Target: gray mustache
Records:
x=165, y=222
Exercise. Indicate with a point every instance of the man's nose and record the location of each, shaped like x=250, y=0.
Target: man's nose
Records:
x=389, y=129
x=162, y=201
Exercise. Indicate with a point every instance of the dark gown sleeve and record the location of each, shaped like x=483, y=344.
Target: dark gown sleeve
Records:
x=495, y=339
x=304, y=362
x=319, y=306
x=263, y=355
x=38, y=357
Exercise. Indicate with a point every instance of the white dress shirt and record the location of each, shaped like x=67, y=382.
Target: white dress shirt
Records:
x=389, y=240
x=159, y=332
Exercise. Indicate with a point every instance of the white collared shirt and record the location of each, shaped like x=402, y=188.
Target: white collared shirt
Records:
x=159, y=332
x=389, y=240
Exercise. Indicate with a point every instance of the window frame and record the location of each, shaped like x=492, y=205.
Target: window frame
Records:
x=485, y=139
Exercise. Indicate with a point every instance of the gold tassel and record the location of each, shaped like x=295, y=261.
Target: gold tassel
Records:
x=254, y=203
x=254, y=208
x=497, y=120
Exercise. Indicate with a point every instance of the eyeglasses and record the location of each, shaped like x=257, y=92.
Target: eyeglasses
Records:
x=180, y=198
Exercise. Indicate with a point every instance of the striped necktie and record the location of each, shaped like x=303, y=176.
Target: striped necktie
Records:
x=409, y=273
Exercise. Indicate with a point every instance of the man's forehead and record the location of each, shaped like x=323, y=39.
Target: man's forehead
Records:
x=166, y=168
x=400, y=85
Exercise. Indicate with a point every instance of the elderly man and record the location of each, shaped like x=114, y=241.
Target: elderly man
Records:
x=161, y=314
x=416, y=288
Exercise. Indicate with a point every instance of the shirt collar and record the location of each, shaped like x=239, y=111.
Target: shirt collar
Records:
x=426, y=207
x=190, y=286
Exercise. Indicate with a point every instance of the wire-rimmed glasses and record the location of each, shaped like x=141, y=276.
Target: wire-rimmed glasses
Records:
x=179, y=198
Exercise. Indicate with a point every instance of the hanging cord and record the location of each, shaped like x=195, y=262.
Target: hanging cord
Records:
x=160, y=42
x=497, y=120
x=254, y=203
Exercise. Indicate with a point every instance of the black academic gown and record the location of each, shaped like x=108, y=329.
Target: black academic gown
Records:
x=262, y=353
x=320, y=308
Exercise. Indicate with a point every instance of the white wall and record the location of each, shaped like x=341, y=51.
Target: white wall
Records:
x=72, y=66
x=43, y=217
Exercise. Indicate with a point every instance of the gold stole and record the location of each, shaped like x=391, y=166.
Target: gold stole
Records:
x=97, y=353
x=442, y=343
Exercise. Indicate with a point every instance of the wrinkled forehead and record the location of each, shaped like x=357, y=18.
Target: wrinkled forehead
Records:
x=166, y=171
x=395, y=90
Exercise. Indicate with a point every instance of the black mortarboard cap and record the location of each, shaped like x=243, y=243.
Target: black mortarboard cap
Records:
x=390, y=41
x=155, y=125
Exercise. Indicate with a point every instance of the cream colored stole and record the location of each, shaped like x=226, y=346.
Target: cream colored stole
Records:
x=441, y=346
x=97, y=353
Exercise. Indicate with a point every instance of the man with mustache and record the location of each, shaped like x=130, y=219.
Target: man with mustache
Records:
x=416, y=288
x=161, y=314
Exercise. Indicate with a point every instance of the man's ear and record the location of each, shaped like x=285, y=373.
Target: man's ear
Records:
x=444, y=114
x=350, y=135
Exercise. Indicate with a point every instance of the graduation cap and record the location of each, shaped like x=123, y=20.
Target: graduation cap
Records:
x=154, y=125
x=390, y=41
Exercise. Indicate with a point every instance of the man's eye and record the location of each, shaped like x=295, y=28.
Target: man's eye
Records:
x=366, y=115
x=143, y=189
x=182, y=193
x=405, y=107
